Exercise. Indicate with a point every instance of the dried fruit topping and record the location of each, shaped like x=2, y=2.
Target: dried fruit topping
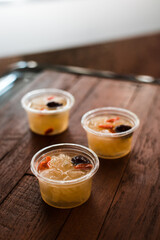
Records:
x=112, y=130
x=43, y=165
x=80, y=160
x=105, y=126
x=50, y=98
x=122, y=128
x=54, y=104
x=112, y=119
x=83, y=166
x=48, y=158
x=48, y=131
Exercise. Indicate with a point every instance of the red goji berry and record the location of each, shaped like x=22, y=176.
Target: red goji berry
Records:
x=112, y=119
x=48, y=158
x=48, y=131
x=83, y=166
x=50, y=98
x=43, y=165
x=106, y=126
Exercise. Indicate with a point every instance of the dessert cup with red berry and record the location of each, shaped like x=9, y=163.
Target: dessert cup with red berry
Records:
x=65, y=173
x=110, y=131
x=48, y=110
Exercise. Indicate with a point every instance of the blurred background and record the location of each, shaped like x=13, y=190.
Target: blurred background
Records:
x=121, y=36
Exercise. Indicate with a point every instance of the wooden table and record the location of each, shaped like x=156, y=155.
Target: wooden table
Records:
x=125, y=199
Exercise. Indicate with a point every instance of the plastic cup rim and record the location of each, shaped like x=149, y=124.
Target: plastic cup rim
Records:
x=112, y=135
x=49, y=90
x=65, y=182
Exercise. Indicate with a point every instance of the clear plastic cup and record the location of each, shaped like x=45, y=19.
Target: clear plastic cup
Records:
x=66, y=193
x=110, y=145
x=48, y=122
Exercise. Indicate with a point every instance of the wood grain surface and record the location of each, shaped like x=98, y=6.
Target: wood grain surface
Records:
x=124, y=203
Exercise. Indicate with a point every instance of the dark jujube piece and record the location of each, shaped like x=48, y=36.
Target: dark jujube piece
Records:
x=80, y=159
x=122, y=128
x=54, y=104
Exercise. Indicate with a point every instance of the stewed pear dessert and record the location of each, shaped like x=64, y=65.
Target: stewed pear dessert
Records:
x=48, y=110
x=109, y=131
x=65, y=174
x=64, y=167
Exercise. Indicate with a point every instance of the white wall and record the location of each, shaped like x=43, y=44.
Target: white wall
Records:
x=51, y=25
